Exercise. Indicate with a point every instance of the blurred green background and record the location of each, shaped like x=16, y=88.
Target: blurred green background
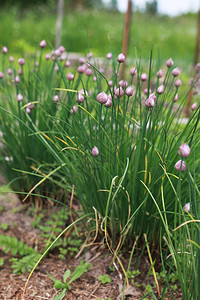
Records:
x=90, y=26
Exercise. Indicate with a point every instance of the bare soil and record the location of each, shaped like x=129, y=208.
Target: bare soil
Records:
x=40, y=285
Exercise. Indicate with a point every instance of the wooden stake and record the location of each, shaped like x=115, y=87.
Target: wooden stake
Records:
x=59, y=22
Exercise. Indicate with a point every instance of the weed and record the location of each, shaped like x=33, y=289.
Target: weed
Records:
x=104, y=279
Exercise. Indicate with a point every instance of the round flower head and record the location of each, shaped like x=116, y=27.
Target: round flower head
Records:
x=109, y=55
x=184, y=150
x=21, y=61
x=118, y=92
x=143, y=77
x=67, y=63
x=95, y=151
x=146, y=91
x=19, y=97
x=81, y=69
x=150, y=102
x=110, y=83
x=129, y=91
x=47, y=56
x=20, y=71
x=82, y=60
x=109, y=101
x=94, y=79
x=1, y=75
x=102, y=97
x=80, y=96
x=123, y=83
x=57, y=52
x=75, y=108
x=194, y=106
x=180, y=165
x=176, y=72
x=4, y=50
x=43, y=44
x=28, y=110
x=186, y=208
x=9, y=71
x=88, y=72
x=55, y=98
x=70, y=76
x=56, y=68
x=31, y=105
x=17, y=79
x=160, y=89
x=176, y=97
x=61, y=49
x=178, y=83
x=133, y=71
x=121, y=58
x=159, y=74
x=169, y=63
x=11, y=59
x=89, y=55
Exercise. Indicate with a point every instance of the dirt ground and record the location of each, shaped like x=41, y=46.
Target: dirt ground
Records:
x=40, y=285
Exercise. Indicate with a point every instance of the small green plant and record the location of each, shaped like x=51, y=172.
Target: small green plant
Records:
x=105, y=279
x=4, y=226
x=1, y=262
x=133, y=274
x=66, y=285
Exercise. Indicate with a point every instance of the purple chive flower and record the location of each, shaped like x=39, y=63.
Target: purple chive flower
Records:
x=71, y=111
x=129, y=91
x=43, y=44
x=194, y=106
x=21, y=61
x=109, y=55
x=9, y=71
x=150, y=102
x=80, y=96
x=184, y=150
x=55, y=98
x=4, y=50
x=159, y=74
x=123, y=83
x=109, y=101
x=81, y=69
x=102, y=97
x=121, y=58
x=176, y=72
x=110, y=83
x=82, y=60
x=176, y=97
x=118, y=92
x=186, y=208
x=169, y=63
x=94, y=79
x=143, y=77
x=20, y=72
x=89, y=55
x=1, y=75
x=57, y=52
x=178, y=83
x=67, y=63
x=31, y=105
x=75, y=108
x=133, y=71
x=28, y=110
x=56, y=68
x=146, y=91
x=180, y=165
x=160, y=89
x=19, y=97
x=47, y=56
x=70, y=76
x=11, y=59
x=88, y=72
x=95, y=151
x=17, y=79
x=61, y=49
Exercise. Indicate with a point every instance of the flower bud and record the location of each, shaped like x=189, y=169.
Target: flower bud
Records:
x=160, y=89
x=89, y=55
x=110, y=83
x=176, y=72
x=178, y=83
x=47, y=56
x=17, y=79
x=80, y=96
x=82, y=60
x=123, y=83
x=180, y=165
x=81, y=69
x=109, y=101
x=184, y=150
x=176, y=97
x=169, y=63
x=55, y=98
x=28, y=110
x=150, y=102
x=21, y=61
x=133, y=71
x=186, y=208
x=19, y=98
x=1, y=75
x=194, y=106
x=88, y=72
x=129, y=91
x=61, y=49
x=9, y=71
x=118, y=92
x=109, y=55
x=159, y=74
x=121, y=58
x=143, y=77
x=43, y=44
x=95, y=151
x=70, y=76
x=75, y=108
x=57, y=52
x=67, y=63
x=11, y=59
x=4, y=50
x=102, y=97
x=94, y=79
x=20, y=71
x=146, y=91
